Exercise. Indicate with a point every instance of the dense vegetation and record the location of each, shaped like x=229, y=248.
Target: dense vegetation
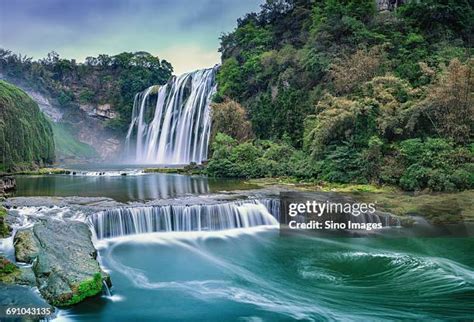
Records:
x=337, y=91
x=26, y=137
x=99, y=80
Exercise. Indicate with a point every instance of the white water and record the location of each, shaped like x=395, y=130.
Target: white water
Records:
x=176, y=129
x=105, y=173
x=214, y=217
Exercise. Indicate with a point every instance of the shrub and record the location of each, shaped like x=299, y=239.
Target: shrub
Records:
x=449, y=104
x=349, y=72
x=230, y=118
x=435, y=164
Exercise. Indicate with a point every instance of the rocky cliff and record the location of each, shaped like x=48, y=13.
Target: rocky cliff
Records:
x=79, y=131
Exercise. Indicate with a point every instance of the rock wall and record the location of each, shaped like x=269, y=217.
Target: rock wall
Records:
x=86, y=124
x=388, y=5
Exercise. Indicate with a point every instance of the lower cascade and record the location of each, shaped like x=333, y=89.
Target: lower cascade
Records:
x=171, y=124
x=213, y=217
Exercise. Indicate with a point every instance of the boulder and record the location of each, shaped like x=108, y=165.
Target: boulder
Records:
x=6, y=184
x=26, y=246
x=9, y=272
x=23, y=296
x=5, y=229
x=64, y=260
x=12, y=274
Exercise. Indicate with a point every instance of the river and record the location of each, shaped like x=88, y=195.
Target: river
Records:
x=254, y=273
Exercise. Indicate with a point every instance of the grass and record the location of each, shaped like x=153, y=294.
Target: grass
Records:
x=42, y=171
x=437, y=207
x=191, y=169
x=321, y=186
x=67, y=146
x=452, y=207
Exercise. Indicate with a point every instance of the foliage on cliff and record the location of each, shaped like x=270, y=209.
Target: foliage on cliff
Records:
x=230, y=118
x=103, y=79
x=26, y=137
x=359, y=95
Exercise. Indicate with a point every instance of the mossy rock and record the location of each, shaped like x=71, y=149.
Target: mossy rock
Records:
x=26, y=246
x=80, y=291
x=64, y=260
x=9, y=272
x=5, y=229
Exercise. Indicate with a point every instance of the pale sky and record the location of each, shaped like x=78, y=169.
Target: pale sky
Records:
x=184, y=32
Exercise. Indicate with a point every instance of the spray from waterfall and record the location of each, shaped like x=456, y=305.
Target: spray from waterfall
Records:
x=171, y=124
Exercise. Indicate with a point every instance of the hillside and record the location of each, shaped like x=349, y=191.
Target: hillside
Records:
x=25, y=133
x=102, y=86
x=89, y=103
x=344, y=91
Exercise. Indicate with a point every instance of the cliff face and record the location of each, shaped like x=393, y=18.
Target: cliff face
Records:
x=79, y=134
x=89, y=103
x=388, y=5
x=26, y=136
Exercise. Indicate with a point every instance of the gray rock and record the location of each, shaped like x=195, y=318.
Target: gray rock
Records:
x=6, y=184
x=27, y=277
x=26, y=246
x=63, y=258
x=23, y=296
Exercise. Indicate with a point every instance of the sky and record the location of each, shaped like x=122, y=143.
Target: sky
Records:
x=184, y=32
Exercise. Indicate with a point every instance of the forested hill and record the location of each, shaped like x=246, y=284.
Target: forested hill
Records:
x=26, y=137
x=349, y=93
x=103, y=86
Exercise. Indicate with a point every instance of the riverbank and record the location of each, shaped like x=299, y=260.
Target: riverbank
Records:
x=439, y=207
x=435, y=206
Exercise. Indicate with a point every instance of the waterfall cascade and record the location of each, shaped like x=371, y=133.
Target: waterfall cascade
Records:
x=213, y=217
x=171, y=124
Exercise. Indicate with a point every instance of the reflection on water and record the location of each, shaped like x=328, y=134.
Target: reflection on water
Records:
x=123, y=188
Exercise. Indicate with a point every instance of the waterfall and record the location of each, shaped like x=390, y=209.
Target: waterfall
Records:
x=212, y=217
x=171, y=124
x=106, y=289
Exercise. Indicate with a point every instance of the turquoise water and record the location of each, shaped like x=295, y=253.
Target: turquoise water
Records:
x=260, y=276
x=255, y=274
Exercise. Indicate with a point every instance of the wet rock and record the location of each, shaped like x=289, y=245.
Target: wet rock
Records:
x=23, y=296
x=64, y=260
x=9, y=272
x=26, y=277
x=7, y=184
x=5, y=229
x=26, y=246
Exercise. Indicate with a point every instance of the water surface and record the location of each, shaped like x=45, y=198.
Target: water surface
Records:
x=264, y=277
x=254, y=274
x=136, y=187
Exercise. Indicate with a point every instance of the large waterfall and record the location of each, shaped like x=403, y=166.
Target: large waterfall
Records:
x=171, y=124
x=212, y=217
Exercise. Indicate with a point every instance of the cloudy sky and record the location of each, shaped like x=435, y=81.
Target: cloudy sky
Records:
x=184, y=32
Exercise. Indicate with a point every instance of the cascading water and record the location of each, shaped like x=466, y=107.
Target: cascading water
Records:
x=213, y=217
x=174, y=130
